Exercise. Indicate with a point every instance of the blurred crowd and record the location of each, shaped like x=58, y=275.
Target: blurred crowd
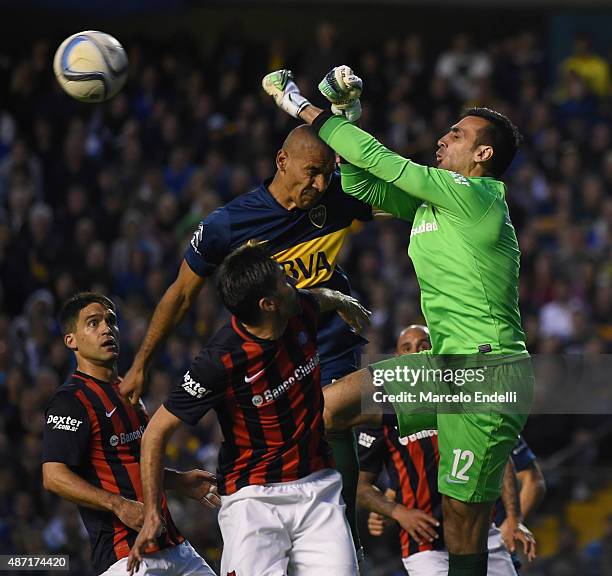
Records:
x=106, y=198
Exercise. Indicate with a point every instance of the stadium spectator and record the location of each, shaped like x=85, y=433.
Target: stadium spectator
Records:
x=463, y=67
x=591, y=67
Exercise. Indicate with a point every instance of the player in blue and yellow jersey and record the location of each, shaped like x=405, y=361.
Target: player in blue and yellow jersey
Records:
x=303, y=216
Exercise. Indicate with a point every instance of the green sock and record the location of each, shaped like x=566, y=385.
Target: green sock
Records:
x=344, y=448
x=468, y=564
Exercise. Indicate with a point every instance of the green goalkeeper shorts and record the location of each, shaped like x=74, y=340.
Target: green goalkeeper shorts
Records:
x=478, y=422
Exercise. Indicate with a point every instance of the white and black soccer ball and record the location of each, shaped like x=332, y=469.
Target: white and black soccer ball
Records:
x=91, y=66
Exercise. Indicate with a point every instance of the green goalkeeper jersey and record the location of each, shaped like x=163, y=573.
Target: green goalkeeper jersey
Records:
x=462, y=243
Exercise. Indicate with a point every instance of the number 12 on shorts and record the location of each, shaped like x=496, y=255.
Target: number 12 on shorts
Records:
x=465, y=459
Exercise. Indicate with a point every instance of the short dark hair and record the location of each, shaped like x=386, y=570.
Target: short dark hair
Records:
x=501, y=134
x=245, y=276
x=69, y=313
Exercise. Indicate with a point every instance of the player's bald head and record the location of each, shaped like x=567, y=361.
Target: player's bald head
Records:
x=413, y=339
x=305, y=165
x=304, y=139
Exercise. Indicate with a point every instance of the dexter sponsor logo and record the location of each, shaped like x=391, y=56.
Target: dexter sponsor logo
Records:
x=366, y=440
x=192, y=387
x=63, y=423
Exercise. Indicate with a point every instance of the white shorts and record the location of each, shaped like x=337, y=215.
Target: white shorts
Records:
x=290, y=528
x=427, y=563
x=435, y=562
x=500, y=561
x=175, y=561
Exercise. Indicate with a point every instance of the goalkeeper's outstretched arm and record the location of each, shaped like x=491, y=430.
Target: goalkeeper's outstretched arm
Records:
x=366, y=186
x=410, y=180
x=342, y=88
x=412, y=183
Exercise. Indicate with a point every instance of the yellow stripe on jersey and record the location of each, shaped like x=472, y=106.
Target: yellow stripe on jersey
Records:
x=314, y=261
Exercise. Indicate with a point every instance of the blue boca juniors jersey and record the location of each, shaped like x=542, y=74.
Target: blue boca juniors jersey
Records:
x=305, y=242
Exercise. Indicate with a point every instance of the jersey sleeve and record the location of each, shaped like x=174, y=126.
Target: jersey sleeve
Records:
x=360, y=210
x=66, y=433
x=203, y=386
x=360, y=184
x=310, y=309
x=349, y=204
x=371, y=449
x=522, y=455
x=444, y=189
x=209, y=244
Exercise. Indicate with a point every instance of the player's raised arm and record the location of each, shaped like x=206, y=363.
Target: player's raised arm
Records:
x=168, y=314
x=409, y=180
x=382, y=195
x=342, y=88
x=442, y=188
x=349, y=308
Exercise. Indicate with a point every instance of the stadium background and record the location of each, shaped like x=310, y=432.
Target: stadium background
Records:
x=106, y=197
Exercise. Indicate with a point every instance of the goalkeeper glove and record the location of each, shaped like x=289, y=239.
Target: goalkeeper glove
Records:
x=342, y=87
x=286, y=94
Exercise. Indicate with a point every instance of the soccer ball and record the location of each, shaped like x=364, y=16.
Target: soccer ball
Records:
x=91, y=66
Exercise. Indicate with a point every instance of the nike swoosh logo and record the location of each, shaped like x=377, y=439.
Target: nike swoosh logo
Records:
x=109, y=414
x=249, y=379
x=453, y=481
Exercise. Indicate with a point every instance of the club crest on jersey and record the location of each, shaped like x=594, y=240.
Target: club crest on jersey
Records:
x=302, y=338
x=318, y=215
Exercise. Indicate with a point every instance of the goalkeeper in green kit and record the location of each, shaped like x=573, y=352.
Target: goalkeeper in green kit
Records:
x=466, y=258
